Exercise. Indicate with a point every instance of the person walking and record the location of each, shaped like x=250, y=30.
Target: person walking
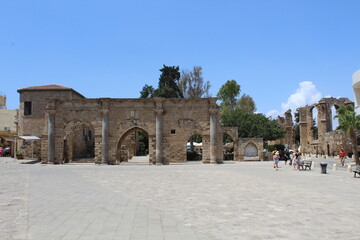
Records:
x=342, y=157
x=276, y=158
x=296, y=160
x=1, y=152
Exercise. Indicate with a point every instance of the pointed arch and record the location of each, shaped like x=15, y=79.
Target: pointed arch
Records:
x=133, y=142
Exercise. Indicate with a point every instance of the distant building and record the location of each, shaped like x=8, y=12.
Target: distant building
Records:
x=7, y=117
x=8, y=125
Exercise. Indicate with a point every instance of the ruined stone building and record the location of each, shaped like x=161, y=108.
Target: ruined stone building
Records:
x=324, y=140
x=317, y=131
x=287, y=124
x=72, y=128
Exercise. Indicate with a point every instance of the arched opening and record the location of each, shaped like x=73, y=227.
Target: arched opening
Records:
x=228, y=147
x=80, y=147
x=194, y=148
x=251, y=152
x=133, y=146
x=335, y=121
x=314, y=126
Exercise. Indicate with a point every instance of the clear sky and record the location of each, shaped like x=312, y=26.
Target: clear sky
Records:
x=283, y=53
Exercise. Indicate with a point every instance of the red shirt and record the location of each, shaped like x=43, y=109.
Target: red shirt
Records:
x=342, y=153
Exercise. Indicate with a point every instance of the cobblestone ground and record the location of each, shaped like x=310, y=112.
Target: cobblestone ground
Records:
x=191, y=201
x=14, y=198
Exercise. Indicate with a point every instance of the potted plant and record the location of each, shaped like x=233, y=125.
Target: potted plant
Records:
x=19, y=155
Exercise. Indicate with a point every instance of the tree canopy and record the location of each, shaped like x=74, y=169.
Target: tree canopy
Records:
x=252, y=125
x=147, y=91
x=228, y=94
x=192, y=84
x=168, y=86
x=240, y=113
x=246, y=104
x=168, y=83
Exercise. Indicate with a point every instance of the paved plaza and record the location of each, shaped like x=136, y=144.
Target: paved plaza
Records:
x=242, y=200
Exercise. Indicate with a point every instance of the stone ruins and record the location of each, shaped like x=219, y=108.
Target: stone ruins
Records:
x=73, y=128
x=317, y=133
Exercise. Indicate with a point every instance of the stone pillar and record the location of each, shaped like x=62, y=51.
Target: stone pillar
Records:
x=51, y=136
x=159, y=136
x=105, y=137
x=213, y=126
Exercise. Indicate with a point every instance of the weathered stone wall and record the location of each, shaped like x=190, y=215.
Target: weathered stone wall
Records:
x=67, y=113
x=181, y=119
x=333, y=141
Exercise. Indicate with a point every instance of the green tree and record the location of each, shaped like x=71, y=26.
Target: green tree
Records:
x=192, y=84
x=228, y=94
x=147, y=91
x=168, y=83
x=252, y=125
x=246, y=104
x=349, y=122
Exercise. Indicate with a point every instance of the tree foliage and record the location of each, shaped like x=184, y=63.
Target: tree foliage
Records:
x=167, y=86
x=349, y=122
x=252, y=125
x=192, y=84
x=246, y=104
x=168, y=83
x=147, y=91
x=228, y=94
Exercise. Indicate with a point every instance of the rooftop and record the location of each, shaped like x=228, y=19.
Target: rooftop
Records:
x=50, y=87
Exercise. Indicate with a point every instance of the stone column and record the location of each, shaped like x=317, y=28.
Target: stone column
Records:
x=105, y=137
x=51, y=136
x=213, y=126
x=159, y=136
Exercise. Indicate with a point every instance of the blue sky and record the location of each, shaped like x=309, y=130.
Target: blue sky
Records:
x=282, y=52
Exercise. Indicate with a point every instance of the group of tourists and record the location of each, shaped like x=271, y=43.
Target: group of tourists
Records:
x=294, y=157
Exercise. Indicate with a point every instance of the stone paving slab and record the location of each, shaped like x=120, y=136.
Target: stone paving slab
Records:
x=248, y=200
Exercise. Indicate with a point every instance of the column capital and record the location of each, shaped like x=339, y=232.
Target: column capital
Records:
x=159, y=111
x=213, y=111
x=105, y=111
x=51, y=112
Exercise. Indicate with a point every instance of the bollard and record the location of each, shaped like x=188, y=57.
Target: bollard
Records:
x=334, y=167
x=323, y=166
x=349, y=168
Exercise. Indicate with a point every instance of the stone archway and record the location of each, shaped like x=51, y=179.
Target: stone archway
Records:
x=194, y=148
x=229, y=147
x=133, y=142
x=79, y=142
x=250, y=149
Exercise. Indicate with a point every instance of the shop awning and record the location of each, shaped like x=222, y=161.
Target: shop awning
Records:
x=9, y=139
x=30, y=138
